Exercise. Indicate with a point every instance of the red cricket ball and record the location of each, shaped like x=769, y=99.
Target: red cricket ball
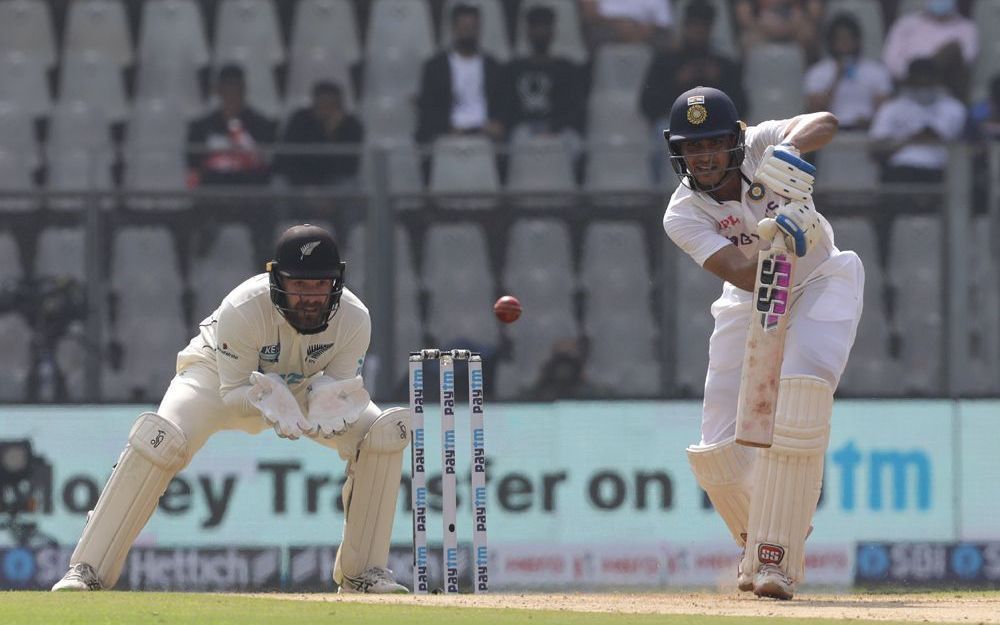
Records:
x=507, y=309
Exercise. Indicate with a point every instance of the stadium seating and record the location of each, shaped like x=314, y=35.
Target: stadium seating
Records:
x=872, y=369
x=148, y=358
x=986, y=15
x=400, y=38
x=691, y=300
x=618, y=317
x=228, y=262
x=326, y=25
x=101, y=27
x=408, y=324
x=88, y=77
x=539, y=271
x=774, y=74
x=914, y=250
x=15, y=334
x=983, y=369
x=464, y=164
x=26, y=26
x=540, y=164
x=23, y=84
x=458, y=280
x=619, y=68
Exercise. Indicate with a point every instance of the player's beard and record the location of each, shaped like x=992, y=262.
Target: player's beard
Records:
x=307, y=317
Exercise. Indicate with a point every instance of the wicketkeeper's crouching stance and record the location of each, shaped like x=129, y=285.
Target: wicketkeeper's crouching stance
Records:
x=732, y=178
x=284, y=350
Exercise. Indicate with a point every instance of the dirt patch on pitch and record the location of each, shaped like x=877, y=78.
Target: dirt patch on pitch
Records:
x=936, y=609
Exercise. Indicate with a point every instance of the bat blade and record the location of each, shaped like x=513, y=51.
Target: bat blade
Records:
x=765, y=346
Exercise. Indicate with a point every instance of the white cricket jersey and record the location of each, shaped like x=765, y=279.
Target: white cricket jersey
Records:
x=247, y=333
x=701, y=226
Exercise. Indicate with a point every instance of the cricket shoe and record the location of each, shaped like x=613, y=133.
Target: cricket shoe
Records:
x=744, y=581
x=79, y=577
x=772, y=582
x=376, y=581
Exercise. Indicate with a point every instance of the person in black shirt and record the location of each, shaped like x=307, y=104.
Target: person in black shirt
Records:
x=224, y=146
x=546, y=92
x=324, y=123
x=695, y=63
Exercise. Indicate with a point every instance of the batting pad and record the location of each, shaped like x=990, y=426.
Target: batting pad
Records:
x=156, y=450
x=788, y=476
x=370, y=495
x=725, y=471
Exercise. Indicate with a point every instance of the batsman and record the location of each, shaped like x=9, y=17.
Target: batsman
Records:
x=744, y=189
x=283, y=351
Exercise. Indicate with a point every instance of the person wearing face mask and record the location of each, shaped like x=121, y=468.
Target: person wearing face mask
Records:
x=461, y=89
x=847, y=85
x=938, y=32
x=910, y=132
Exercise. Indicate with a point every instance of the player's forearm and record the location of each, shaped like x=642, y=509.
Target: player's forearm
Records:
x=237, y=399
x=732, y=266
x=811, y=131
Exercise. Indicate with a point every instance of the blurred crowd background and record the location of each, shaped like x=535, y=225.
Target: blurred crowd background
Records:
x=151, y=150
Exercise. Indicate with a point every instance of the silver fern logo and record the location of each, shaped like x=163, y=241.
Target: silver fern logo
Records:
x=308, y=248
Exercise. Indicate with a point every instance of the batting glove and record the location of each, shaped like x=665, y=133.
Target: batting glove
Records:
x=800, y=224
x=784, y=172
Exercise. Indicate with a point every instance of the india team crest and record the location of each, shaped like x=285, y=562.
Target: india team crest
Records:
x=756, y=192
x=697, y=114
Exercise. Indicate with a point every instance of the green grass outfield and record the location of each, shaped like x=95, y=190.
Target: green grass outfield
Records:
x=141, y=608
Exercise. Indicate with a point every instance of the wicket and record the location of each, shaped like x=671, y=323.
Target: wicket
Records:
x=449, y=496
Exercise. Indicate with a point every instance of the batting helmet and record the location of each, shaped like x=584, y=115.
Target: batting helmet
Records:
x=306, y=252
x=704, y=113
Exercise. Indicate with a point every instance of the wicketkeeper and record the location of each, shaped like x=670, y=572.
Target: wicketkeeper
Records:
x=733, y=177
x=284, y=351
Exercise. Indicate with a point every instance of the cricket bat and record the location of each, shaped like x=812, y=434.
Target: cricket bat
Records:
x=765, y=346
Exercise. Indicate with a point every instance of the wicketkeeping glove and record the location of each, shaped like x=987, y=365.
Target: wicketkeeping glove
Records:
x=335, y=404
x=783, y=171
x=277, y=405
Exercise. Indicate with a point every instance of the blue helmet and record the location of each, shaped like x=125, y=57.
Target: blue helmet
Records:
x=704, y=113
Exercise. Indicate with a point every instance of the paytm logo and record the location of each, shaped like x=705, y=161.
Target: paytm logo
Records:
x=895, y=479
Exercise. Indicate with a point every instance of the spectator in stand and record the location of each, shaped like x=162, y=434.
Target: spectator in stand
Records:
x=461, y=90
x=846, y=84
x=225, y=144
x=693, y=64
x=546, y=93
x=984, y=117
x=325, y=123
x=910, y=132
x=939, y=32
x=781, y=21
x=628, y=21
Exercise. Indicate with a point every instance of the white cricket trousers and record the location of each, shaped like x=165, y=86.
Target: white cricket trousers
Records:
x=193, y=403
x=823, y=321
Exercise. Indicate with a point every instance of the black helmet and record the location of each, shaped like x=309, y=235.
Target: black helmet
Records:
x=306, y=252
x=703, y=113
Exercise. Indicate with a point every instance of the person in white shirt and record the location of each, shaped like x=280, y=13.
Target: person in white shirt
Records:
x=847, y=84
x=741, y=187
x=283, y=351
x=910, y=132
x=461, y=89
x=939, y=32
